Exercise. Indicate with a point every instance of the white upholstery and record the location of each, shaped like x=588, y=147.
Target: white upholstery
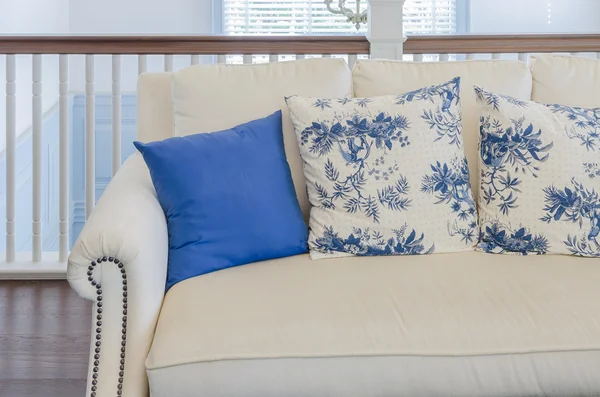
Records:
x=214, y=97
x=385, y=77
x=466, y=324
x=128, y=224
x=566, y=80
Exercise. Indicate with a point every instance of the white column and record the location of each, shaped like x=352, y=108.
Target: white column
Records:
x=195, y=59
x=63, y=154
x=36, y=160
x=523, y=57
x=116, y=113
x=90, y=137
x=221, y=58
x=351, y=60
x=11, y=132
x=142, y=63
x=248, y=59
x=385, y=28
x=168, y=63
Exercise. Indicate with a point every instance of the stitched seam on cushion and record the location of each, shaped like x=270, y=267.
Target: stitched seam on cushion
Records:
x=583, y=350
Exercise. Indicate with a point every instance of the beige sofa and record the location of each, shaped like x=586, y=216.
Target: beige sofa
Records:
x=465, y=324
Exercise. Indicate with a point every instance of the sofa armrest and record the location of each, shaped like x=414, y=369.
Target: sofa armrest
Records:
x=120, y=262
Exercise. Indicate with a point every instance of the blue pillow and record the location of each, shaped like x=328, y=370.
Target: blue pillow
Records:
x=228, y=197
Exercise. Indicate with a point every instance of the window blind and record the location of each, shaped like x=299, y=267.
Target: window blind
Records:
x=429, y=17
x=284, y=17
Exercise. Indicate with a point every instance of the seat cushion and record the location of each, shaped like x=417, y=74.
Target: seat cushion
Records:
x=215, y=97
x=386, y=77
x=464, y=324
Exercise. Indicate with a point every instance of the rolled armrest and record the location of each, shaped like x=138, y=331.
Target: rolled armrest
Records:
x=120, y=262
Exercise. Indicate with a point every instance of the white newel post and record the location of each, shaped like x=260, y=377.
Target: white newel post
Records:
x=385, y=28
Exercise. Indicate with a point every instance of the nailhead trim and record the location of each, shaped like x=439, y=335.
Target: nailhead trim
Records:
x=98, y=337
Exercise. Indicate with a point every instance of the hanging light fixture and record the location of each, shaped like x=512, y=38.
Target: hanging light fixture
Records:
x=356, y=17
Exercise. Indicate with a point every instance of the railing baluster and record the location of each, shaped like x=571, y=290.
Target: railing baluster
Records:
x=496, y=55
x=116, y=113
x=351, y=60
x=142, y=63
x=221, y=58
x=523, y=57
x=90, y=136
x=444, y=57
x=63, y=155
x=195, y=59
x=418, y=57
x=300, y=56
x=168, y=63
x=247, y=59
x=36, y=160
x=11, y=132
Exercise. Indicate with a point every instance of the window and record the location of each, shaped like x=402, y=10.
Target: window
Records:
x=263, y=17
x=429, y=17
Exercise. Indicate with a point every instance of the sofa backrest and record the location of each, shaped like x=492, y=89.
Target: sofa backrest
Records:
x=207, y=98
x=154, y=107
x=386, y=77
x=566, y=80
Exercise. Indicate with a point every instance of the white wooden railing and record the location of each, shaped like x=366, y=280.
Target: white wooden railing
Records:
x=122, y=50
x=130, y=56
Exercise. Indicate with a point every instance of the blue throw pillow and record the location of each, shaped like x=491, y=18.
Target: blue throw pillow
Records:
x=228, y=197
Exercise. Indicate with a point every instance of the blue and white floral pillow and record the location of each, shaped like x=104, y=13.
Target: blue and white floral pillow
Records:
x=540, y=177
x=386, y=175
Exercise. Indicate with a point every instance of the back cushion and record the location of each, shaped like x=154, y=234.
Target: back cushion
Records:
x=154, y=107
x=566, y=80
x=210, y=98
x=383, y=77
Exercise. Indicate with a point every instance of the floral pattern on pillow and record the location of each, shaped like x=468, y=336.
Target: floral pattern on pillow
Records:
x=537, y=170
x=386, y=175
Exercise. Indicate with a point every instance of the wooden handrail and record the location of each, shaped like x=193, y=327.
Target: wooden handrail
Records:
x=226, y=45
x=174, y=45
x=506, y=44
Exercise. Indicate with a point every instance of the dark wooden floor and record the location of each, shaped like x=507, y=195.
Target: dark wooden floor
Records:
x=44, y=339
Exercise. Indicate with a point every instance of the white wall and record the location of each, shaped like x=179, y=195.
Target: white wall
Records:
x=531, y=16
x=34, y=16
x=141, y=16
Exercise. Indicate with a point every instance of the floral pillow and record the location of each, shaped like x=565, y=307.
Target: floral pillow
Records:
x=386, y=175
x=540, y=177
